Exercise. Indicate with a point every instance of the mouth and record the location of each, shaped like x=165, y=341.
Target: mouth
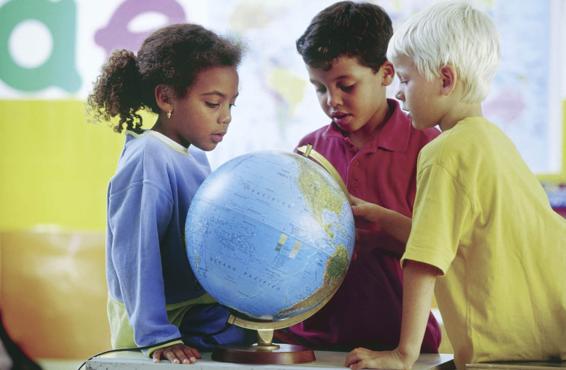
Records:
x=340, y=118
x=338, y=115
x=218, y=137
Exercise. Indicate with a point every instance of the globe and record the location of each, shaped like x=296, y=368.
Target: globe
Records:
x=270, y=235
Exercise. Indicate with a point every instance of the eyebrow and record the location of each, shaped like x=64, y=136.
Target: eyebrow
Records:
x=341, y=77
x=216, y=92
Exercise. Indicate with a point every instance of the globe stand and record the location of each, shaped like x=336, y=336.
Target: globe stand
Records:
x=265, y=352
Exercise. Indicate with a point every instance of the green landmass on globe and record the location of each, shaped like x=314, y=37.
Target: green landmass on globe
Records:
x=336, y=268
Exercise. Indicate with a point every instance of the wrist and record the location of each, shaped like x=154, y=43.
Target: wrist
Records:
x=379, y=215
x=408, y=355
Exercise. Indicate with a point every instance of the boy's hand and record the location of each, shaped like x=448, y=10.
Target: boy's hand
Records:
x=177, y=354
x=362, y=358
x=371, y=216
x=366, y=212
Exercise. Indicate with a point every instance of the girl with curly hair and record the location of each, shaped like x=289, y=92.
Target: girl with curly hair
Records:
x=188, y=76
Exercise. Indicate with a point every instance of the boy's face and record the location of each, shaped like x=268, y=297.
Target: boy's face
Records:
x=417, y=94
x=351, y=94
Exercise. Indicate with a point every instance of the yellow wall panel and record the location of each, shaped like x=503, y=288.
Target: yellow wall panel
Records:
x=54, y=166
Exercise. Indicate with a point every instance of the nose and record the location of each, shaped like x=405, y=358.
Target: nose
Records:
x=333, y=99
x=400, y=95
x=225, y=118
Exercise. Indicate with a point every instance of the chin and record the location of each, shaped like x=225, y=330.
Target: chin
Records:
x=205, y=147
x=210, y=147
x=419, y=125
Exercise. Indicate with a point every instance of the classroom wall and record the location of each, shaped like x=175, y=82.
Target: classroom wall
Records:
x=55, y=166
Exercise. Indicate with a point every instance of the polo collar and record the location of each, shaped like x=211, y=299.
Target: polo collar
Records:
x=393, y=135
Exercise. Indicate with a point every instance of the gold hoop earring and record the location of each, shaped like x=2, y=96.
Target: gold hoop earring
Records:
x=169, y=114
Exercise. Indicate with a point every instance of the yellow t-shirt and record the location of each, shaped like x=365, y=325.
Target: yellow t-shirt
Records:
x=483, y=218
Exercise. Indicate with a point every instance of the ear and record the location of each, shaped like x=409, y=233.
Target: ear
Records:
x=164, y=97
x=388, y=72
x=448, y=77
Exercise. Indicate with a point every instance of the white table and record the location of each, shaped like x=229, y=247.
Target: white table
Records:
x=531, y=365
x=324, y=360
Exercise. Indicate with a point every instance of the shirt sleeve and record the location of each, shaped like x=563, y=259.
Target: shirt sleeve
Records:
x=441, y=217
x=138, y=216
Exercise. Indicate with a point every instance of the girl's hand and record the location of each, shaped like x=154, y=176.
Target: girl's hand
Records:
x=177, y=354
x=362, y=358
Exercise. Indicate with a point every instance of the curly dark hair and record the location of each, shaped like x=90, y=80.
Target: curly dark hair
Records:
x=172, y=56
x=360, y=30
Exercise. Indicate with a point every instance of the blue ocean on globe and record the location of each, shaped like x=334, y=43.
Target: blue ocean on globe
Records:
x=270, y=234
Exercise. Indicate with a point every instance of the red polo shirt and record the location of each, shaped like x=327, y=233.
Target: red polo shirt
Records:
x=366, y=310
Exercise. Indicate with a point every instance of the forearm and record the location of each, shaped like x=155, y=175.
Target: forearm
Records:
x=418, y=288
x=373, y=216
x=396, y=224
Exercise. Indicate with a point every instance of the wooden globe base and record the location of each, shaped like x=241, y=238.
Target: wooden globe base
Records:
x=284, y=354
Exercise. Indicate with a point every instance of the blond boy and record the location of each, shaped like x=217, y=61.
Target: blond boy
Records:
x=483, y=237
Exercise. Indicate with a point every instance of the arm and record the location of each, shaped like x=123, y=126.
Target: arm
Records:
x=138, y=217
x=393, y=223
x=418, y=289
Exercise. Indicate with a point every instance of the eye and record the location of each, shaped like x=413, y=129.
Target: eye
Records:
x=212, y=104
x=320, y=89
x=346, y=88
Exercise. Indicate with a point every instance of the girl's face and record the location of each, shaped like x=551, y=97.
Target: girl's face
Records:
x=201, y=117
x=351, y=94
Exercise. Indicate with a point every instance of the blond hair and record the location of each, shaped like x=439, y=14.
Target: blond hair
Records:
x=451, y=33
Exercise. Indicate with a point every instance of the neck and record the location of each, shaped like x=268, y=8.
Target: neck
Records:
x=167, y=131
x=158, y=127
x=367, y=132
x=458, y=113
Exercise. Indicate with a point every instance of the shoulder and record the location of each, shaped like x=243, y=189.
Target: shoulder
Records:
x=147, y=151
x=147, y=158
x=137, y=164
x=473, y=140
x=139, y=145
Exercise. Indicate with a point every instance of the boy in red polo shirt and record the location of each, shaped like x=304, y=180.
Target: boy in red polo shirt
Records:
x=373, y=146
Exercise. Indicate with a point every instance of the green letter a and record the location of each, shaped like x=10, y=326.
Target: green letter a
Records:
x=59, y=69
